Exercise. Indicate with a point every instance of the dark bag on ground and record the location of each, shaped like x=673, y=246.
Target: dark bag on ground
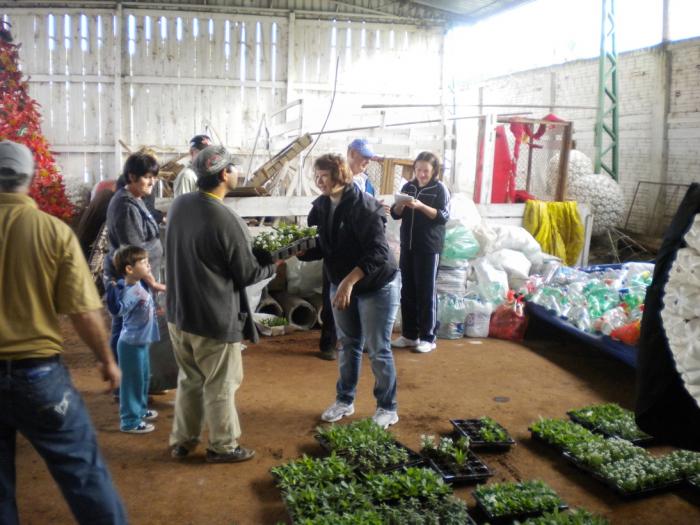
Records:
x=164, y=368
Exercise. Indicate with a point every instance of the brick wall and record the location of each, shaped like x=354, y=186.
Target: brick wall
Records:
x=648, y=80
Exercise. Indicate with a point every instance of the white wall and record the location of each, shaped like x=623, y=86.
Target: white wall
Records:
x=645, y=78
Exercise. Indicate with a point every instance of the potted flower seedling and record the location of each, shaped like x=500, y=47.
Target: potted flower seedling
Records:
x=484, y=433
x=366, y=445
x=639, y=475
x=453, y=459
x=560, y=433
x=511, y=501
x=611, y=420
x=574, y=517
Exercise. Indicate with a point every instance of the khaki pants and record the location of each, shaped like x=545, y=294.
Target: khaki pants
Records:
x=210, y=373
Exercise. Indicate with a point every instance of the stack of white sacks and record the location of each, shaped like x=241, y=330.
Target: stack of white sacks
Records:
x=681, y=312
x=506, y=256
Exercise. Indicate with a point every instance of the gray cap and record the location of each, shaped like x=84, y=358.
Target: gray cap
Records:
x=15, y=158
x=212, y=159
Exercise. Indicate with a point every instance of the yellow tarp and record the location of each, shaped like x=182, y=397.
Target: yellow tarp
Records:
x=557, y=227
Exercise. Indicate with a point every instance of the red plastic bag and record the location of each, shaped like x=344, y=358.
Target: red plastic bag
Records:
x=509, y=321
x=628, y=334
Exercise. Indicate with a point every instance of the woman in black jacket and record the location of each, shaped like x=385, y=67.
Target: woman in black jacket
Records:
x=364, y=285
x=422, y=239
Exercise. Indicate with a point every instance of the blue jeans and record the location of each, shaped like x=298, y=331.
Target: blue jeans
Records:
x=133, y=391
x=367, y=322
x=44, y=406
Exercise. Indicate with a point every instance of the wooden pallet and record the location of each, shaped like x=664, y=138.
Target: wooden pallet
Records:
x=277, y=163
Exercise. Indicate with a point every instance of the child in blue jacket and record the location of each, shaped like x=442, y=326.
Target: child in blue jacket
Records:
x=422, y=239
x=135, y=304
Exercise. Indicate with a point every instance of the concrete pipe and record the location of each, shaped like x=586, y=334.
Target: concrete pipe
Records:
x=268, y=305
x=300, y=313
x=316, y=301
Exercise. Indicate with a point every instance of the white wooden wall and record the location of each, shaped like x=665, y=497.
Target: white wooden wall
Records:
x=158, y=77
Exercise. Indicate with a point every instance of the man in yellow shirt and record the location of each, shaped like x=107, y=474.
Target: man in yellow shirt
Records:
x=43, y=273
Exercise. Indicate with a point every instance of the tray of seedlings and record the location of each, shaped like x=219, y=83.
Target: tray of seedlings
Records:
x=573, y=517
x=560, y=434
x=484, y=434
x=283, y=242
x=453, y=460
x=611, y=420
x=326, y=490
x=367, y=446
x=508, y=502
x=628, y=470
x=687, y=464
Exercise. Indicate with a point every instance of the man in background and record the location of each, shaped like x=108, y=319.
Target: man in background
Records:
x=359, y=155
x=44, y=274
x=186, y=180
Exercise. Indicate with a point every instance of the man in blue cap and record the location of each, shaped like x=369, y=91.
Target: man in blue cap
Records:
x=359, y=155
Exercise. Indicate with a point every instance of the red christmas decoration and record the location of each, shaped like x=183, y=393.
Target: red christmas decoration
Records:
x=20, y=121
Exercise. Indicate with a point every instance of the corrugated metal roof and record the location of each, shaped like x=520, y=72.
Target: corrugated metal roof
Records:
x=442, y=12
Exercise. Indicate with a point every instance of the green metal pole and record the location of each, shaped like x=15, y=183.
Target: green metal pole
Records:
x=607, y=118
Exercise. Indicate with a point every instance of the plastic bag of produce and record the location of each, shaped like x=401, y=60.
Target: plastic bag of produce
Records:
x=509, y=321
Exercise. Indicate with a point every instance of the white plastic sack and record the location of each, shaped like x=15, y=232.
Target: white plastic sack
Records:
x=515, y=264
x=518, y=239
x=493, y=283
x=515, y=238
x=476, y=323
x=463, y=212
x=486, y=236
x=304, y=278
x=254, y=292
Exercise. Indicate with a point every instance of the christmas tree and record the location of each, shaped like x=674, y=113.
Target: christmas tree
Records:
x=20, y=122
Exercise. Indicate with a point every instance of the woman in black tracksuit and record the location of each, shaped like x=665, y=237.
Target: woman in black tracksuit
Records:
x=422, y=240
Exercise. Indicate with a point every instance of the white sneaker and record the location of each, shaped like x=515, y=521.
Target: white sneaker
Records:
x=337, y=411
x=424, y=347
x=405, y=342
x=385, y=418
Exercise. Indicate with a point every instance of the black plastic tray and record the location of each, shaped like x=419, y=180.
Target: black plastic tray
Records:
x=293, y=249
x=414, y=459
x=470, y=428
x=617, y=489
x=510, y=518
x=694, y=483
x=475, y=470
x=640, y=442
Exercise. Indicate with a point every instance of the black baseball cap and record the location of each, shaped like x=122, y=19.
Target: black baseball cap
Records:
x=200, y=142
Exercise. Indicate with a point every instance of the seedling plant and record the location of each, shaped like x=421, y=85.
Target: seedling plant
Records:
x=283, y=235
x=492, y=432
x=365, y=444
x=610, y=419
x=307, y=471
x=575, y=517
x=601, y=451
x=501, y=500
x=447, y=450
x=561, y=433
x=274, y=321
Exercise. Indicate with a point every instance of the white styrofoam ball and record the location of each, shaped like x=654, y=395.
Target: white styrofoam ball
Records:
x=604, y=197
x=579, y=164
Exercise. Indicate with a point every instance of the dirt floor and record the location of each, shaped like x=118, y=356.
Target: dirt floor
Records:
x=286, y=388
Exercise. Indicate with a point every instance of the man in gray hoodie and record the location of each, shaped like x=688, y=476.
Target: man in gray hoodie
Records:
x=209, y=263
